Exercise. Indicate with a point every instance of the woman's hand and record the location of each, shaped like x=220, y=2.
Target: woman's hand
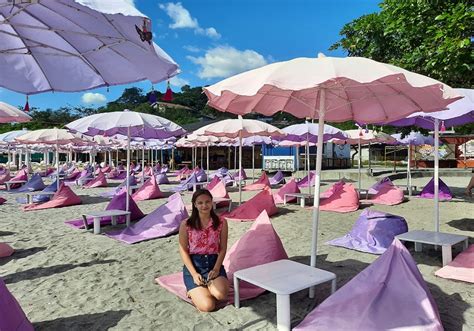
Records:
x=214, y=273
x=198, y=280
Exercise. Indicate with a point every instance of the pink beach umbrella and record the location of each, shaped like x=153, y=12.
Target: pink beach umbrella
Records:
x=9, y=114
x=241, y=128
x=133, y=125
x=330, y=89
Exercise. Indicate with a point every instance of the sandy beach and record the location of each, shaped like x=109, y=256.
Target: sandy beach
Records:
x=68, y=279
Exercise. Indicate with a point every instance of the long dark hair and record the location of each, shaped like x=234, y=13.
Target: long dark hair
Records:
x=194, y=221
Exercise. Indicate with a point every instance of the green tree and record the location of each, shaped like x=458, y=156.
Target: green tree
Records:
x=430, y=37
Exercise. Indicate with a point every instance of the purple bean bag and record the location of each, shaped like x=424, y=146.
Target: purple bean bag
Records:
x=373, y=232
x=34, y=184
x=12, y=316
x=41, y=198
x=444, y=191
x=163, y=221
x=278, y=178
x=390, y=294
x=162, y=179
x=109, y=194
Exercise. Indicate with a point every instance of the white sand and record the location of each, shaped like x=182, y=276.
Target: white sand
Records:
x=68, y=279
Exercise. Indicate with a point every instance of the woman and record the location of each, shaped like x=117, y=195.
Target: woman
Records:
x=203, y=245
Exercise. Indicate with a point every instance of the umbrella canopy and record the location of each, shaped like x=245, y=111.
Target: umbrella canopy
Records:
x=363, y=137
x=361, y=90
x=243, y=128
x=10, y=114
x=8, y=138
x=140, y=125
x=308, y=132
x=77, y=45
x=413, y=138
x=458, y=113
x=52, y=137
x=332, y=89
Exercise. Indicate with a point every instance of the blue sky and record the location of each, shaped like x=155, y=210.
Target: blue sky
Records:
x=215, y=39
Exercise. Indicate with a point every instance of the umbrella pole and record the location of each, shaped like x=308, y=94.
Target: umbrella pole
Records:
x=319, y=155
x=409, y=170
x=128, y=170
x=308, y=168
x=436, y=175
x=359, y=164
x=57, y=167
x=143, y=163
x=201, y=156
x=207, y=161
x=235, y=159
x=370, y=164
x=253, y=160
x=240, y=167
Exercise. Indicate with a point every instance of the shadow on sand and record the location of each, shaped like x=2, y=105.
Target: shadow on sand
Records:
x=49, y=271
x=463, y=224
x=97, y=321
x=21, y=253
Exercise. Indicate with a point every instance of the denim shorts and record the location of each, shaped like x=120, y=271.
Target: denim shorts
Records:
x=203, y=263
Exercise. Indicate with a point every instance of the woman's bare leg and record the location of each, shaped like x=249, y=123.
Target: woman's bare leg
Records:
x=219, y=288
x=470, y=186
x=202, y=299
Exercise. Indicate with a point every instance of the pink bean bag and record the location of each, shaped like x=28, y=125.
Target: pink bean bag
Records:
x=62, y=198
x=250, y=209
x=106, y=169
x=240, y=175
x=260, y=184
x=259, y=245
x=461, y=268
x=290, y=187
x=5, y=250
x=12, y=316
x=5, y=177
x=215, y=180
x=99, y=181
x=148, y=191
x=2, y=200
x=21, y=175
x=219, y=191
x=388, y=194
x=113, y=174
x=340, y=197
x=390, y=294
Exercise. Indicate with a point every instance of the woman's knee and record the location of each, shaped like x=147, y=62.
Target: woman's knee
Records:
x=221, y=294
x=205, y=305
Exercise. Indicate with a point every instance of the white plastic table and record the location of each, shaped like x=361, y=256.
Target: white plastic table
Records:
x=283, y=278
x=12, y=182
x=30, y=195
x=299, y=196
x=113, y=213
x=445, y=240
x=215, y=201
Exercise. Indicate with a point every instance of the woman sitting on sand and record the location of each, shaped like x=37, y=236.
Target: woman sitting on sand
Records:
x=203, y=245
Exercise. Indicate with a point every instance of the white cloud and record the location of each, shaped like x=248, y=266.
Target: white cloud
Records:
x=89, y=98
x=182, y=19
x=176, y=81
x=225, y=61
x=192, y=49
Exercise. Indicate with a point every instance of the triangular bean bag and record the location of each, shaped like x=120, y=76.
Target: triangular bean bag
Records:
x=112, y=174
x=340, y=197
x=6, y=250
x=75, y=174
x=182, y=171
x=47, y=172
x=387, y=194
x=240, y=175
x=260, y=184
x=374, y=189
x=163, y=221
x=305, y=182
x=278, y=178
x=219, y=191
x=186, y=185
x=221, y=172
x=34, y=184
x=259, y=245
x=106, y=169
x=123, y=175
x=2, y=200
x=290, y=187
x=461, y=268
x=148, y=191
x=53, y=187
x=162, y=179
x=390, y=294
x=157, y=168
x=118, y=202
x=444, y=191
x=5, y=177
x=373, y=232
x=62, y=198
x=215, y=180
x=99, y=181
x=12, y=316
x=21, y=175
x=249, y=210
x=201, y=176
x=164, y=169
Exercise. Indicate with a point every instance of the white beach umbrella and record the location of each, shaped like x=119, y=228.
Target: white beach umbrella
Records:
x=9, y=114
